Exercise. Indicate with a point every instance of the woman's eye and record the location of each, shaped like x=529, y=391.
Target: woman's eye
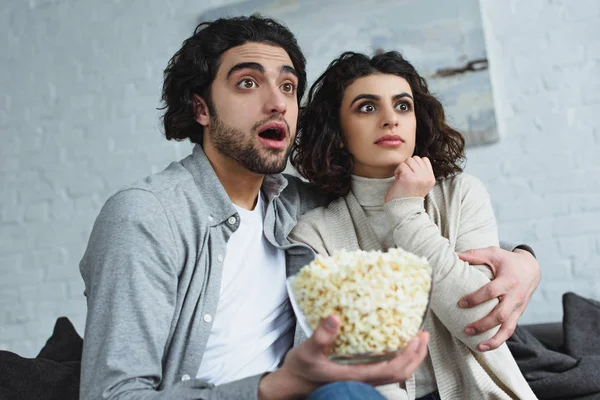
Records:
x=288, y=87
x=403, y=107
x=367, y=108
x=247, y=84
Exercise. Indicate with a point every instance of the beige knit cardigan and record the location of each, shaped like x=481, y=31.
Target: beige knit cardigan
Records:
x=455, y=216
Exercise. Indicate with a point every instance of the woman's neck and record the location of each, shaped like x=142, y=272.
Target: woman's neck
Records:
x=370, y=192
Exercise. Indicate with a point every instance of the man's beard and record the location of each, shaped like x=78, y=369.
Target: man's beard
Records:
x=238, y=146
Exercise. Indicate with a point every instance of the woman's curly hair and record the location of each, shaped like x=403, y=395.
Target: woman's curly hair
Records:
x=317, y=153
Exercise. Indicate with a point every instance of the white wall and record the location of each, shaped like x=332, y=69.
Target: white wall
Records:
x=543, y=174
x=81, y=80
x=80, y=83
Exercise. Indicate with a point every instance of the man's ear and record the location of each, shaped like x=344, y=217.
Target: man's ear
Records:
x=201, y=110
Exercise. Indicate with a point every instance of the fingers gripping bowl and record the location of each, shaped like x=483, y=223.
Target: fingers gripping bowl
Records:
x=380, y=297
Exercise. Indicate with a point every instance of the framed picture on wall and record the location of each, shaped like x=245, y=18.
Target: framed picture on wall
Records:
x=443, y=40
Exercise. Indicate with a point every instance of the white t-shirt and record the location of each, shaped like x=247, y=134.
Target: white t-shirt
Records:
x=254, y=324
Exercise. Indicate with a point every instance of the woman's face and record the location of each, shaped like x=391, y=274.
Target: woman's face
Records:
x=378, y=124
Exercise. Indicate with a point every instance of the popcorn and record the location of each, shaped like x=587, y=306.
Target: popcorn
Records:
x=380, y=297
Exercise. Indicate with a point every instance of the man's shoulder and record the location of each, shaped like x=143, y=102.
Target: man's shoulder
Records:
x=173, y=177
x=154, y=191
x=295, y=184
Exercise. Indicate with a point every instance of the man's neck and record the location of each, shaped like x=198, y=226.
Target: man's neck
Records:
x=242, y=186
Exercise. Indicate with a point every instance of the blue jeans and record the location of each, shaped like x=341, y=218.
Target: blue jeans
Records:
x=349, y=390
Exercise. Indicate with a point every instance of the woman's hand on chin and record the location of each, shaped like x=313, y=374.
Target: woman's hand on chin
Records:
x=414, y=178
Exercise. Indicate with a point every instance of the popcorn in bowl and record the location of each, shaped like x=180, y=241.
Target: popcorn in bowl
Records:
x=380, y=297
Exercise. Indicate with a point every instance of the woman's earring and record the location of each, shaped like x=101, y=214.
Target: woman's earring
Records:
x=341, y=145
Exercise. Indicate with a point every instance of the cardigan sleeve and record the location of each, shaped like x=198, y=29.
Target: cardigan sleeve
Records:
x=414, y=231
x=309, y=230
x=510, y=246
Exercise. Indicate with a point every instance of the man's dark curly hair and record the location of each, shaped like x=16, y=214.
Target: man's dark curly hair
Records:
x=194, y=67
x=317, y=152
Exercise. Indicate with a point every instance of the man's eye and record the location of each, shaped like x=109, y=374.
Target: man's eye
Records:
x=367, y=108
x=288, y=87
x=247, y=84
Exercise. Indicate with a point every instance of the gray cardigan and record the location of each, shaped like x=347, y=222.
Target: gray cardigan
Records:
x=455, y=216
x=152, y=273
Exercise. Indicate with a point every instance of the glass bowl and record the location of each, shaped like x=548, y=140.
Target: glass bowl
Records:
x=416, y=316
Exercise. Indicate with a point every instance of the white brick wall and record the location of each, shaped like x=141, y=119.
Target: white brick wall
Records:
x=81, y=80
x=80, y=85
x=543, y=174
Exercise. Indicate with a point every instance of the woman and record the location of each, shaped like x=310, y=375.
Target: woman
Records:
x=376, y=141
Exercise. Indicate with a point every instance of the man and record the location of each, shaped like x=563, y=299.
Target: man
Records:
x=185, y=271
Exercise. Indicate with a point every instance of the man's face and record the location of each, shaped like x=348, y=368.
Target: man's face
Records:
x=254, y=108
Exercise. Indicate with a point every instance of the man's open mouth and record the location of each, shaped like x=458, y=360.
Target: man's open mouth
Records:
x=273, y=133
